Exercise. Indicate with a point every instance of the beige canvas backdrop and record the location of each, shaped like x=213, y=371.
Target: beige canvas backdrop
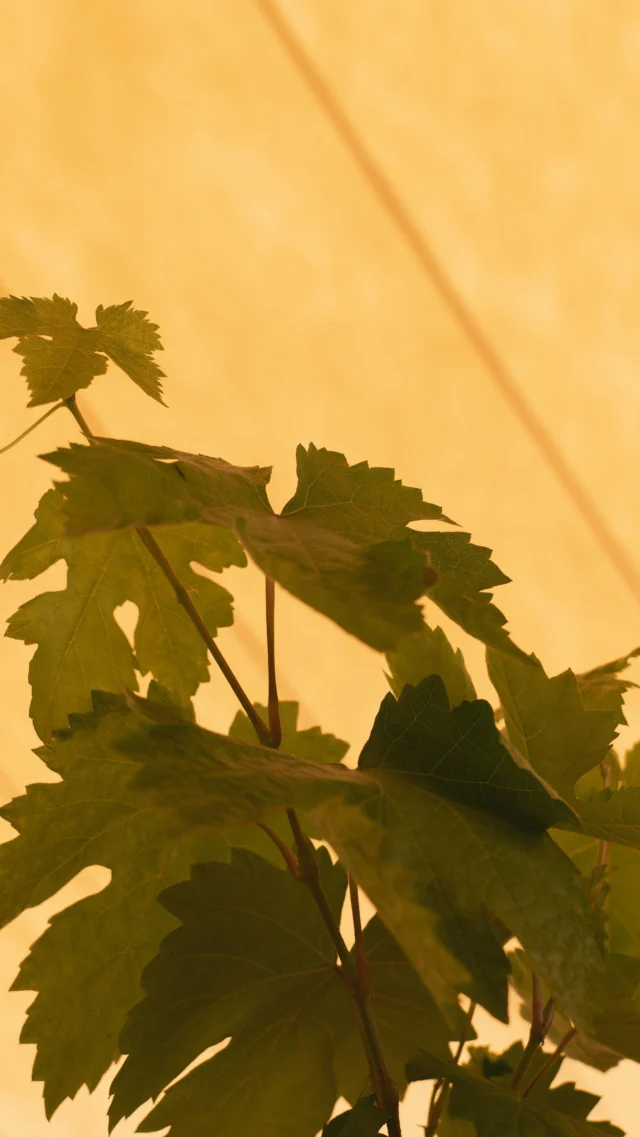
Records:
x=170, y=153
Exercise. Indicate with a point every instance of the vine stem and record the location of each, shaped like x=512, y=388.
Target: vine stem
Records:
x=442, y=1087
x=541, y=1019
x=275, y=726
x=183, y=598
x=553, y=1058
x=33, y=426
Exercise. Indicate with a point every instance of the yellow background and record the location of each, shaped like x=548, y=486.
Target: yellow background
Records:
x=169, y=153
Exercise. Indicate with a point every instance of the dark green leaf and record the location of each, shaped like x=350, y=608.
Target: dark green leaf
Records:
x=496, y=1111
x=547, y=721
x=253, y=960
x=87, y=965
x=428, y=652
x=437, y=870
x=80, y=645
x=364, y=1120
x=459, y=753
x=363, y=503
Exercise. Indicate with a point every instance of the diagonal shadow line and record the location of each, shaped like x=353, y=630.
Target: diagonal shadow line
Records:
x=396, y=209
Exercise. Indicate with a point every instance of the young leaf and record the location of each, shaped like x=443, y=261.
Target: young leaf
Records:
x=61, y=357
x=437, y=870
x=547, y=721
x=129, y=339
x=252, y=959
x=364, y=1120
x=497, y=1111
x=428, y=652
x=80, y=645
x=369, y=590
x=87, y=965
x=364, y=503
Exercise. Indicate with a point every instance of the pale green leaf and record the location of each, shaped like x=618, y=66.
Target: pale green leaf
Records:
x=364, y=503
x=428, y=652
x=87, y=965
x=601, y=689
x=129, y=339
x=548, y=722
x=80, y=645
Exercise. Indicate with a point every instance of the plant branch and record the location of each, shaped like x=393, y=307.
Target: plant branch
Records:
x=33, y=426
x=541, y=1019
x=275, y=726
x=288, y=856
x=362, y=963
x=183, y=598
x=544, y=1069
x=442, y=1087
x=384, y=1087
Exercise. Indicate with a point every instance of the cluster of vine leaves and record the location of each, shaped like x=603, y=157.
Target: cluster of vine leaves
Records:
x=471, y=830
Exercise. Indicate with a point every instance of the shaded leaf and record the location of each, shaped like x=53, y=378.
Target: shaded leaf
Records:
x=496, y=1111
x=437, y=870
x=364, y=1120
x=428, y=652
x=365, y=503
x=547, y=721
x=601, y=689
x=458, y=751
x=311, y=744
x=253, y=960
x=87, y=965
x=80, y=644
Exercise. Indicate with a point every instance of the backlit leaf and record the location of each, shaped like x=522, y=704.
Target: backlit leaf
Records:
x=87, y=965
x=80, y=645
x=428, y=652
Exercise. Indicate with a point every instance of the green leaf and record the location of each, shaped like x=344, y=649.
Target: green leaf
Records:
x=129, y=339
x=464, y=571
x=428, y=652
x=460, y=753
x=601, y=689
x=87, y=965
x=369, y=590
x=497, y=1111
x=438, y=871
x=364, y=1120
x=253, y=960
x=363, y=503
x=547, y=721
x=61, y=357
x=615, y=1031
x=80, y=645
x=311, y=744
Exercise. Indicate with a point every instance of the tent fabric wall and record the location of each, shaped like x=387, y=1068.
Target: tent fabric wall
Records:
x=172, y=154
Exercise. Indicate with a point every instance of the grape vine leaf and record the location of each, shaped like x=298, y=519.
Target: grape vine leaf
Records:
x=548, y=722
x=497, y=1111
x=428, y=652
x=86, y=967
x=460, y=750
x=601, y=689
x=364, y=1120
x=80, y=644
x=364, y=503
x=61, y=357
x=615, y=1033
x=368, y=590
x=252, y=960
x=437, y=870
x=358, y=501
x=311, y=744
